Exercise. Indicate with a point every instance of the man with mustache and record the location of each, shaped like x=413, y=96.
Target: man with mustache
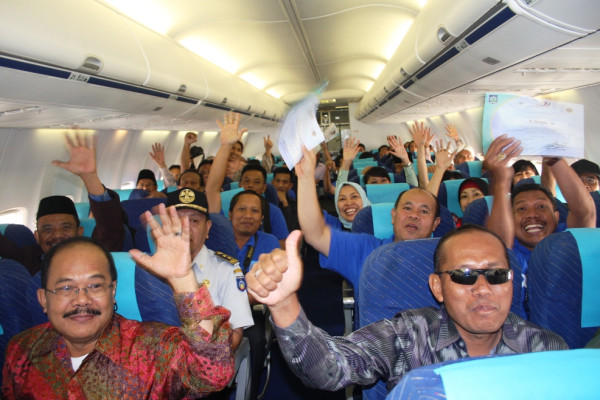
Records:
x=57, y=218
x=472, y=280
x=86, y=350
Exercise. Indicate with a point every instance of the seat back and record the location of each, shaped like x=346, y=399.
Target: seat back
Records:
x=448, y=196
x=362, y=163
x=478, y=211
x=21, y=235
x=141, y=295
x=416, y=167
x=387, y=193
x=14, y=314
x=563, y=281
x=88, y=226
x=226, y=197
x=470, y=169
x=134, y=209
x=376, y=220
x=123, y=193
x=395, y=277
x=550, y=375
x=83, y=209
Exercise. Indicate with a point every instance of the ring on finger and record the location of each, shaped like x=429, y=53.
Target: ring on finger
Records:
x=502, y=156
x=178, y=233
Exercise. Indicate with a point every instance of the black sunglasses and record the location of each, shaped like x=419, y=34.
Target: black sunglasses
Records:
x=467, y=276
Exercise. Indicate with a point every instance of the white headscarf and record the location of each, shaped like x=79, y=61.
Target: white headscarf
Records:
x=348, y=224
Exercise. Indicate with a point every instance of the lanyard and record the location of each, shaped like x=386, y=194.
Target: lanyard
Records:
x=250, y=253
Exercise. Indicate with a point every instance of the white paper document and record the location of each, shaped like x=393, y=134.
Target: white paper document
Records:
x=544, y=127
x=300, y=128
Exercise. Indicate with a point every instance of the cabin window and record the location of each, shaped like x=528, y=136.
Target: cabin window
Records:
x=16, y=215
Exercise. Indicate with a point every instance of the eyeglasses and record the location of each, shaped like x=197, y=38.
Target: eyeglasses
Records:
x=95, y=290
x=590, y=180
x=467, y=276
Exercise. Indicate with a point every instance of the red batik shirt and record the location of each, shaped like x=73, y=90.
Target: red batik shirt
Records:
x=132, y=360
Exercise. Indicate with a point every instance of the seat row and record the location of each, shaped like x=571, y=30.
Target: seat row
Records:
x=562, y=281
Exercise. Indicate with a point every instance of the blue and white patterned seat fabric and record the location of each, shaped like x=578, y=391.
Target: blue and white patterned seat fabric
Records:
x=555, y=286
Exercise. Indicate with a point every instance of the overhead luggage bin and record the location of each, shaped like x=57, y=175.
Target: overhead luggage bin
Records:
x=170, y=66
x=81, y=36
x=505, y=35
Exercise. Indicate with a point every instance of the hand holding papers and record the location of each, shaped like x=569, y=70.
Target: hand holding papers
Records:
x=300, y=128
x=544, y=127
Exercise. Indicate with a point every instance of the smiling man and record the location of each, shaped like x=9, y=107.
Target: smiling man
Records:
x=529, y=214
x=57, y=219
x=87, y=350
x=472, y=281
x=415, y=215
x=253, y=177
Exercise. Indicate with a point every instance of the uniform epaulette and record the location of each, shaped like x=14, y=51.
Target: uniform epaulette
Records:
x=226, y=257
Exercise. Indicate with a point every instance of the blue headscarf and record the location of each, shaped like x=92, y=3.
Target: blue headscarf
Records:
x=348, y=224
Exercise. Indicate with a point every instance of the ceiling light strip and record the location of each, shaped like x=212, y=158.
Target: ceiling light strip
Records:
x=291, y=11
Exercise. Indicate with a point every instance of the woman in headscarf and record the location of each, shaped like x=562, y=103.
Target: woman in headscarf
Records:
x=349, y=199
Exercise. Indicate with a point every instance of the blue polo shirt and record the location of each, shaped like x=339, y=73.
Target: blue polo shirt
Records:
x=333, y=222
x=348, y=252
x=262, y=243
x=278, y=225
x=523, y=254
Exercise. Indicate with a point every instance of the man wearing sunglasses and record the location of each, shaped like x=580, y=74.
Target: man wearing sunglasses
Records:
x=471, y=280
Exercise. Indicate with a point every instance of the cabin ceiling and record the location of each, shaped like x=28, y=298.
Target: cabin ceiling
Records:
x=286, y=48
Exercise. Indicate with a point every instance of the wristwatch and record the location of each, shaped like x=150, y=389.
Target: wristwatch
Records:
x=407, y=165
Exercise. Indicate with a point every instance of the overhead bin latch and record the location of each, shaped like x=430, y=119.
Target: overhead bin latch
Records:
x=443, y=35
x=91, y=65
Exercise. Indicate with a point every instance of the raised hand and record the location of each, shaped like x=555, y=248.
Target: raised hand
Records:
x=229, y=128
x=306, y=166
x=172, y=260
x=452, y=132
x=443, y=156
x=268, y=143
x=82, y=152
x=350, y=148
x=421, y=134
x=277, y=275
x=501, y=150
x=158, y=154
x=397, y=149
x=190, y=138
